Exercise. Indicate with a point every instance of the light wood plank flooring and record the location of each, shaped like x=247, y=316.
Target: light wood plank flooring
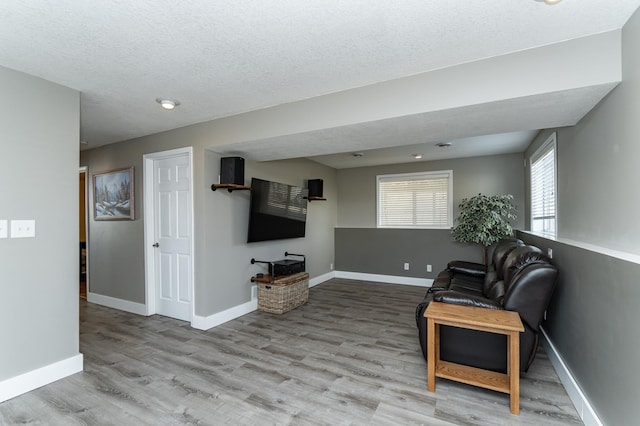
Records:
x=350, y=356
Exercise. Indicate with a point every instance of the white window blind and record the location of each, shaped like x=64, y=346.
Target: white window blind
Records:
x=415, y=200
x=543, y=188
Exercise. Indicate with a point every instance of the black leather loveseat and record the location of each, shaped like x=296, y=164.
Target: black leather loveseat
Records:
x=475, y=277
x=520, y=279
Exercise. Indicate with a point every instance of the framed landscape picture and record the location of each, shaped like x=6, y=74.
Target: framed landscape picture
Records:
x=113, y=195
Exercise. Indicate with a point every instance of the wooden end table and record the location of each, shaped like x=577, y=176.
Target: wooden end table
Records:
x=490, y=320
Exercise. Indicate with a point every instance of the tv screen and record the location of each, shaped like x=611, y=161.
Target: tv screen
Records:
x=277, y=211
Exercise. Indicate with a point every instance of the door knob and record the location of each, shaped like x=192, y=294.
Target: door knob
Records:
x=156, y=244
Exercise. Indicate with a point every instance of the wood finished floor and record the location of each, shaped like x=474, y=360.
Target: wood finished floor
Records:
x=350, y=356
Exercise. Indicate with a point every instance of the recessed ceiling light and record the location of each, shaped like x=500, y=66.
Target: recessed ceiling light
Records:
x=443, y=144
x=550, y=2
x=168, y=104
x=417, y=156
x=357, y=154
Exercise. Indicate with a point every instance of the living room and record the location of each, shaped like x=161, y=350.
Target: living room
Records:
x=596, y=177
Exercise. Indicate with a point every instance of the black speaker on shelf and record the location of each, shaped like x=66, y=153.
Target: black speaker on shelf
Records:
x=232, y=170
x=315, y=187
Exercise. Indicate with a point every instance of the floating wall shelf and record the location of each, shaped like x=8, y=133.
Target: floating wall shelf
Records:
x=230, y=187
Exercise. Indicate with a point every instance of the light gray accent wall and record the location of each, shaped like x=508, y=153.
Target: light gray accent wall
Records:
x=598, y=162
x=497, y=174
x=115, y=248
x=222, y=258
x=39, y=175
x=227, y=267
x=384, y=251
x=594, y=313
x=361, y=247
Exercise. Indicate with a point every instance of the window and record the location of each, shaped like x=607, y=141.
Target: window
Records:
x=415, y=200
x=543, y=188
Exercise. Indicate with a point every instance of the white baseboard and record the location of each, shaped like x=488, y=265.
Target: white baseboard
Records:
x=199, y=322
x=579, y=399
x=34, y=379
x=322, y=278
x=112, y=302
x=205, y=323
x=389, y=279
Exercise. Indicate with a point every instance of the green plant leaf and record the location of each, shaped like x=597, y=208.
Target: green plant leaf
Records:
x=485, y=219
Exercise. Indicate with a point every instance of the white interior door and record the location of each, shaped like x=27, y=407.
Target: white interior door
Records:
x=172, y=236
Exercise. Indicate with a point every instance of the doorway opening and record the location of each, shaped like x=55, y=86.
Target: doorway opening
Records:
x=83, y=221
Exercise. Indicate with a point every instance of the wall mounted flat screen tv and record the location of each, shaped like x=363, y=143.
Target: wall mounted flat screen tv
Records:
x=277, y=211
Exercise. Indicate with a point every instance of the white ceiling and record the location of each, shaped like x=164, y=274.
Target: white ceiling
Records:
x=503, y=143
x=221, y=58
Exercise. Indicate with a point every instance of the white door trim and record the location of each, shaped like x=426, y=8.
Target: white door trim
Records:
x=149, y=218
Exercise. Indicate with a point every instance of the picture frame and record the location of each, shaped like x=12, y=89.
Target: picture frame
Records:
x=113, y=195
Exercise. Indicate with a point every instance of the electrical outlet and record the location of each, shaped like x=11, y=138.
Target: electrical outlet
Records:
x=331, y=266
x=3, y=228
x=23, y=228
x=429, y=268
x=550, y=253
x=254, y=292
x=406, y=266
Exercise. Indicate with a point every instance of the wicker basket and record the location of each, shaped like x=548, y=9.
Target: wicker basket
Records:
x=284, y=293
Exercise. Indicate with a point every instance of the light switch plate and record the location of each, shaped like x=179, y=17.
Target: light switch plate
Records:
x=23, y=228
x=3, y=229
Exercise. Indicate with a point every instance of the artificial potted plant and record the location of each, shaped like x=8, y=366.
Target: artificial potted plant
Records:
x=484, y=219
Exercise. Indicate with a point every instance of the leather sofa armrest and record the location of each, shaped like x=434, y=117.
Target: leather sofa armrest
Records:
x=458, y=298
x=420, y=310
x=467, y=268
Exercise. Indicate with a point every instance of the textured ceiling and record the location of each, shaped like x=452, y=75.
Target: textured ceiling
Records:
x=228, y=57
x=486, y=129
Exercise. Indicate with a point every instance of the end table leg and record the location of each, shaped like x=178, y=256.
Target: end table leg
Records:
x=513, y=370
x=431, y=355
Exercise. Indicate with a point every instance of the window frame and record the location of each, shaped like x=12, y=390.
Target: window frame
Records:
x=550, y=144
x=429, y=174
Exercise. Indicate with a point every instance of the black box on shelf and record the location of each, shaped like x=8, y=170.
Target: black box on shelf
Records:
x=287, y=267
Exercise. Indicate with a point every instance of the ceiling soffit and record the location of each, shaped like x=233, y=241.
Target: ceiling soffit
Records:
x=545, y=87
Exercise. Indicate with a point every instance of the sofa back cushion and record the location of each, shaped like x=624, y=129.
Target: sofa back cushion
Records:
x=496, y=292
x=517, y=259
x=502, y=250
x=500, y=253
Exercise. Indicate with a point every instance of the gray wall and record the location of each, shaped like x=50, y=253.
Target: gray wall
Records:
x=227, y=268
x=39, y=175
x=598, y=162
x=222, y=258
x=497, y=174
x=593, y=320
x=361, y=247
x=594, y=313
x=115, y=249
x=384, y=251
